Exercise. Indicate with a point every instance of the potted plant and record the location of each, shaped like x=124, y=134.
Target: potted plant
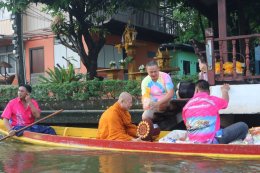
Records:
x=122, y=63
x=112, y=64
x=141, y=68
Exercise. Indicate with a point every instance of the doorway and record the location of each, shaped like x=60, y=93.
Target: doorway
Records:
x=36, y=63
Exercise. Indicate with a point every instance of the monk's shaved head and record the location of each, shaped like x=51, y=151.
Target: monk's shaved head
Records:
x=124, y=96
x=125, y=100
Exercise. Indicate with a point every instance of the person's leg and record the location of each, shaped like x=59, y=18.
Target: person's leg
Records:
x=233, y=132
x=36, y=129
x=164, y=106
x=43, y=129
x=18, y=128
x=148, y=114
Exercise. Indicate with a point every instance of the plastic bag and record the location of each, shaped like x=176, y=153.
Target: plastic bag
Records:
x=174, y=136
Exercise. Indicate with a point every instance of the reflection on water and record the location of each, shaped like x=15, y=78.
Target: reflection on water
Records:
x=20, y=158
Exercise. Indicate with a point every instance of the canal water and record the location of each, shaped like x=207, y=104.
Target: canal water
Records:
x=25, y=158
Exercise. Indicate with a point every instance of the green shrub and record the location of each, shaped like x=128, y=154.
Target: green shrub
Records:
x=8, y=92
x=61, y=75
x=85, y=90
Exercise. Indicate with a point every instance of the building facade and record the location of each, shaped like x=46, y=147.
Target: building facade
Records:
x=42, y=51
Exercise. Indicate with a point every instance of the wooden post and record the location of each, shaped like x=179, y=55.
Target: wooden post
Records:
x=247, y=58
x=221, y=60
x=18, y=47
x=234, y=58
x=210, y=55
x=131, y=52
x=222, y=26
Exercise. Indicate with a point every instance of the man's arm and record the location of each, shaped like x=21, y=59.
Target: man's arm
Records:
x=6, y=115
x=34, y=108
x=167, y=97
x=145, y=95
x=224, y=90
x=131, y=129
x=35, y=111
x=8, y=127
x=163, y=102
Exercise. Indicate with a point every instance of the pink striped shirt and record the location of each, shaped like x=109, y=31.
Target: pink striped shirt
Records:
x=17, y=114
x=201, y=117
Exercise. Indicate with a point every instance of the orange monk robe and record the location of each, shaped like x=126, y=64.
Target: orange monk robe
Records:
x=115, y=124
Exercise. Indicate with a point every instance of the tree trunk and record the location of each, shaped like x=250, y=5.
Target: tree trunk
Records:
x=92, y=66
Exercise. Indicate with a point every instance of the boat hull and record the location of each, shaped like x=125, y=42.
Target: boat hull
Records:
x=208, y=150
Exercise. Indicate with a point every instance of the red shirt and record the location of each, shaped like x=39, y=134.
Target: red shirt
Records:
x=18, y=114
x=201, y=116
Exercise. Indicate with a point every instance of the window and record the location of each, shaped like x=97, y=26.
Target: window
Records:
x=9, y=58
x=37, y=60
x=197, y=67
x=6, y=55
x=4, y=14
x=108, y=53
x=186, y=67
x=61, y=51
x=151, y=54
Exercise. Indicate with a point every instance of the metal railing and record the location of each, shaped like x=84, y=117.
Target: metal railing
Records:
x=148, y=20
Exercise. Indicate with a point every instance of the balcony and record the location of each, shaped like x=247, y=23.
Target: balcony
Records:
x=150, y=26
x=231, y=59
x=148, y=20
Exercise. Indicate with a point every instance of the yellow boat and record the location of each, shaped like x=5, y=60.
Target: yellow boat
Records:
x=84, y=138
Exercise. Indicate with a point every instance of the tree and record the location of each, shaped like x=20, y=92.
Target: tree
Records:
x=242, y=16
x=80, y=22
x=191, y=23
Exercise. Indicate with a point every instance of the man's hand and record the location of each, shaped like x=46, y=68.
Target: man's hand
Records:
x=35, y=111
x=154, y=106
x=146, y=103
x=11, y=132
x=28, y=98
x=225, y=87
x=137, y=140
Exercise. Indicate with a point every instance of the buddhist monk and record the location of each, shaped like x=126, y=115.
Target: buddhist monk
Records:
x=115, y=123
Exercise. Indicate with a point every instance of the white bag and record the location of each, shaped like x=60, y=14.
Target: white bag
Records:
x=174, y=136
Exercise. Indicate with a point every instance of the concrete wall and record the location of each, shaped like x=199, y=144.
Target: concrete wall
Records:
x=243, y=99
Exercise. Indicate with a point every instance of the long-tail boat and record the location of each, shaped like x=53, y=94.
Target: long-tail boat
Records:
x=84, y=138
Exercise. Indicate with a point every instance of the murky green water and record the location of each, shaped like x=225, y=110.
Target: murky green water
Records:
x=17, y=157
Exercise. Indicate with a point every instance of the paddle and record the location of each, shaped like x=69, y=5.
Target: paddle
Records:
x=40, y=120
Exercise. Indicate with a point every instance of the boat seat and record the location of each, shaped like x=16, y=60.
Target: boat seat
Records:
x=76, y=132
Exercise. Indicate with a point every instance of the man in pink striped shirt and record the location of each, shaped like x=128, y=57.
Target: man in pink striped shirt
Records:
x=202, y=119
x=22, y=111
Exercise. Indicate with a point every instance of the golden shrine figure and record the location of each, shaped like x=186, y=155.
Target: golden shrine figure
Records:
x=163, y=59
x=128, y=39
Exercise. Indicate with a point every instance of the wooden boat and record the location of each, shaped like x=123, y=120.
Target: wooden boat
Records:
x=84, y=138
